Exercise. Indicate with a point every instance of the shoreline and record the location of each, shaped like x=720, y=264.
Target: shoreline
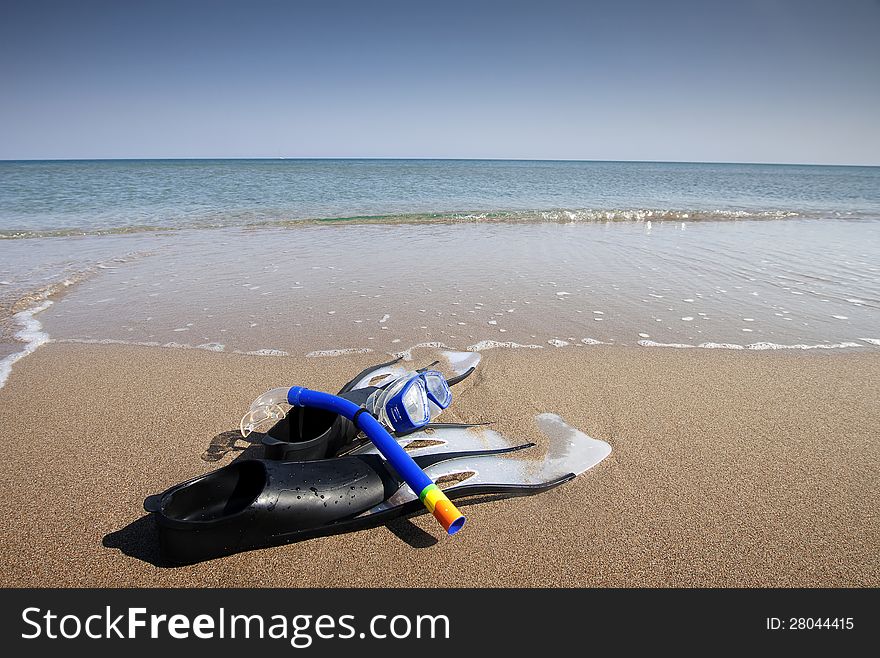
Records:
x=279, y=292
x=33, y=336
x=728, y=469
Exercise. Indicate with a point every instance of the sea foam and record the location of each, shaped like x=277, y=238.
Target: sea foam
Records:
x=493, y=344
x=338, y=352
x=754, y=346
x=31, y=333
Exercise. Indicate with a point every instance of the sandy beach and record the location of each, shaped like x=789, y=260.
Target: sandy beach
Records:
x=728, y=469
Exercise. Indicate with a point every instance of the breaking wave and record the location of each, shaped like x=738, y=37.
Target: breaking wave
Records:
x=539, y=216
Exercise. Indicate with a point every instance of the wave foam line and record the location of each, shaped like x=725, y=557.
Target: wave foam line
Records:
x=552, y=215
x=31, y=333
x=340, y=352
x=263, y=352
x=209, y=347
x=406, y=354
x=493, y=344
x=37, y=301
x=752, y=346
x=104, y=341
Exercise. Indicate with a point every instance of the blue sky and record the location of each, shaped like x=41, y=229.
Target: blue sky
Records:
x=754, y=80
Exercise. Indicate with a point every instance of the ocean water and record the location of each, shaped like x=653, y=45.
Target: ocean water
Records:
x=66, y=198
x=257, y=256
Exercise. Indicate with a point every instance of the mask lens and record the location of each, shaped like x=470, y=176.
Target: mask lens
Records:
x=409, y=403
x=415, y=403
x=437, y=388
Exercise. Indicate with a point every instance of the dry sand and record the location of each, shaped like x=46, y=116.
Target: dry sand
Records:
x=729, y=469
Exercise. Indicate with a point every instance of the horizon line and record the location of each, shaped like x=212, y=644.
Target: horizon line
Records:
x=449, y=159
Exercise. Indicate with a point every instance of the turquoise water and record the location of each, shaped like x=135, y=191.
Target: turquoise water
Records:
x=71, y=197
x=216, y=255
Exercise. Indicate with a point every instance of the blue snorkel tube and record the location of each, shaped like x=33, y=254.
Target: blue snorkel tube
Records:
x=430, y=494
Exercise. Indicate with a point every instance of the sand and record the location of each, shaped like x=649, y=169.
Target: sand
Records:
x=728, y=469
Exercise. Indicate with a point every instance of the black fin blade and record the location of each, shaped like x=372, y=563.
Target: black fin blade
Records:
x=457, y=426
x=440, y=426
x=366, y=371
x=424, y=461
x=467, y=373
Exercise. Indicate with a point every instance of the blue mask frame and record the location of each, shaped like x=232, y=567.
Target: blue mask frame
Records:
x=419, y=389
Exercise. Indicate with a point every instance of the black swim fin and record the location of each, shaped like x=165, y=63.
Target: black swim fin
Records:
x=256, y=503
x=259, y=503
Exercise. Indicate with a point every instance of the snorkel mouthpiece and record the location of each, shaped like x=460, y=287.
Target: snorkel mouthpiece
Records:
x=265, y=408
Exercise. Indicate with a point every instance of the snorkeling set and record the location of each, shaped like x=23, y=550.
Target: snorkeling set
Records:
x=354, y=460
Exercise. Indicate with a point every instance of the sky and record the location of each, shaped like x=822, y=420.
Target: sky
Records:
x=747, y=81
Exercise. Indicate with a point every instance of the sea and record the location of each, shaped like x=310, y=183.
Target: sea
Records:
x=324, y=257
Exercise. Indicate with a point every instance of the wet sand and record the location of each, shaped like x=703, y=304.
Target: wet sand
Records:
x=714, y=282
x=728, y=469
